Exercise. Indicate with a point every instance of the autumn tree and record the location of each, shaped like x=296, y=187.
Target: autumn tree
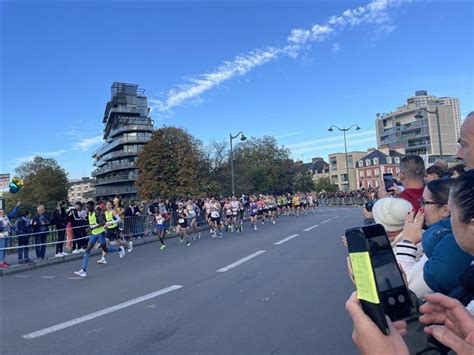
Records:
x=172, y=164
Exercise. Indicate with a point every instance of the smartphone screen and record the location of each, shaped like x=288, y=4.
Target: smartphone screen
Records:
x=391, y=288
x=388, y=181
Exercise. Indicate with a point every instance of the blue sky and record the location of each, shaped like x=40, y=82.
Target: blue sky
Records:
x=215, y=68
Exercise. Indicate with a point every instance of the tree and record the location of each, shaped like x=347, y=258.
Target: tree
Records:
x=303, y=182
x=325, y=184
x=45, y=183
x=172, y=164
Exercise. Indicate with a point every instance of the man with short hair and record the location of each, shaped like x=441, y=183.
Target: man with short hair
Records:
x=465, y=151
x=434, y=172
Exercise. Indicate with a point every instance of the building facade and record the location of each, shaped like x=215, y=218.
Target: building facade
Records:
x=127, y=127
x=80, y=190
x=338, y=171
x=418, y=130
x=371, y=167
x=318, y=168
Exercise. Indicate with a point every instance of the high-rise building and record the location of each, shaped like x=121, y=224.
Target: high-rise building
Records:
x=127, y=127
x=80, y=190
x=415, y=126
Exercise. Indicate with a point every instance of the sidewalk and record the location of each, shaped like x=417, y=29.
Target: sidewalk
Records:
x=14, y=268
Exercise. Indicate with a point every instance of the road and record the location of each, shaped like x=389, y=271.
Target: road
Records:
x=278, y=290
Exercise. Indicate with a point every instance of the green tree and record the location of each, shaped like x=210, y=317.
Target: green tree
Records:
x=172, y=164
x=303, y=182
x=45, y=183
x=325, y=184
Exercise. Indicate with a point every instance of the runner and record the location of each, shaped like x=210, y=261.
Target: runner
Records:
x=234, y=206
x=296, y=205
x=260, y=208
x=304, y=204
x=253, y=212
x=97, y=224
x=272, y=208
x=227, y=211
x=289, y=205
x=241, y=216
x=160, y=228
x=215, y=217
x=182, y=226
x=192, y=211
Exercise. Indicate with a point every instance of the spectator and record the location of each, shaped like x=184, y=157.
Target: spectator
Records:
x=443, y=261
x=391, y=213
x=41, y=223
x=465, y=151
x=441, y=163
x=457, y=170
x=412, y=174
x=454, y=325
x=5, y=233
x=434, y=172
x=23, y=230
x=60, y=221
x=78, y=223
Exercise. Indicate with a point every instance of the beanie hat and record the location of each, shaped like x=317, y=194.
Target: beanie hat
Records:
x=391, y=212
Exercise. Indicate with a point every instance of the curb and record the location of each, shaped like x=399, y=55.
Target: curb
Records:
x=18, y=268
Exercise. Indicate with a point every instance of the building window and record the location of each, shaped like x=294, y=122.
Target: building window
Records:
x=361, y=163
x=367, y=162
x=389, y=170
x=389, y=160
x=361, y=173
x=397, y=160
x=369, y=173
x=376, y=161
x=377, y=172
x=350, y=162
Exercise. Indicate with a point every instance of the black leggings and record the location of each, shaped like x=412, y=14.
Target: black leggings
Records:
x=61, y=236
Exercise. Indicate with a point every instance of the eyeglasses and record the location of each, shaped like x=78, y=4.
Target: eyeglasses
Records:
x=422, y=202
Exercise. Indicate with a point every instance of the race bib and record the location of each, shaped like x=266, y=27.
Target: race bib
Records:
x=181, y=220
x=214, y=214
x=159, y=221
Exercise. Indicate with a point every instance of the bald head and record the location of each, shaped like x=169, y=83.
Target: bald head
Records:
x=466, y=142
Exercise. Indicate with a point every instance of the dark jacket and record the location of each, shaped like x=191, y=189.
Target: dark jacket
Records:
x=60, y=218
x=41, y=223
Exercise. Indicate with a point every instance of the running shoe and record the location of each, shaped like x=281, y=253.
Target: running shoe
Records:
x=130, y=247
x=188, y=244
x=163, y=247
x=122, y=252
x=64, y=253
x=221, y=235
x=181, y=239
x=274, y=222
x=102, y=261
x=255, y=227
x=76, y=251
x=199, y=235
x=58, y=255
x=80, y=273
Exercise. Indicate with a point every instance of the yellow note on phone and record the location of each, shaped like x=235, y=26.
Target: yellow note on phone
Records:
x=364, y=277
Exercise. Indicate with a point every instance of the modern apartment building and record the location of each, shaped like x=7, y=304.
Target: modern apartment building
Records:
x=338, y=171
x=426, y=125
x=370, y=168
x=80, y=190
x=127, y=127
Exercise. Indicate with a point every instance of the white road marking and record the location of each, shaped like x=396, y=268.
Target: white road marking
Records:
x=47, y=277
x=21, y=276
x=286, y=239
x=310, y=228
x=326, y=221
x=241, y=261
x=100, y=313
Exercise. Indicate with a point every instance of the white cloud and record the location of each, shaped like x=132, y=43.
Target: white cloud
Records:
x=85, y=144
x=335, y=47
x=286, y=135
x=340, y=144
x=328, y=140
x=375, y=13
x=20, y=160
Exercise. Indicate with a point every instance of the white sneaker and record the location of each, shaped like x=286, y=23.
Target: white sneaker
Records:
x=122, y=252
x=76, y=251
x=64, y=253
x=82, y=250
x=255, y=227
x=58, y=255
x=80, y=273
x=102, y=261
x=274, y=222
x=130, y=247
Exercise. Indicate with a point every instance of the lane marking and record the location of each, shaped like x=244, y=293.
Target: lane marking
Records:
x=326, y=221
x=21, y=276
x=100, y=313
x=241, y=261
x=284, y=240
x=47, y=277
x=310, y=228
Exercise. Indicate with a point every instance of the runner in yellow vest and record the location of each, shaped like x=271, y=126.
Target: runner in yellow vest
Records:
x=111, y=231
x=97, y=223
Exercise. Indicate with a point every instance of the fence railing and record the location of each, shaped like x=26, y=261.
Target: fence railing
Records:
x=343, y=201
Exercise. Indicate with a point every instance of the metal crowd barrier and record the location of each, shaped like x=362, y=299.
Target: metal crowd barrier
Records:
x=342, y=201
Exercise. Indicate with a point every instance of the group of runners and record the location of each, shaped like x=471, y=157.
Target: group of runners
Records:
x=222, y=215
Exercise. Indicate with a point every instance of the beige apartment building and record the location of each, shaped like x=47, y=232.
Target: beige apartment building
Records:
x=417, y=130
x=81, y=190
x=338, y=171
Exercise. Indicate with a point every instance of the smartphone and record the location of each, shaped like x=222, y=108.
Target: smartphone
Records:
x=388, y=181
x=379, y=282
x=369, y=205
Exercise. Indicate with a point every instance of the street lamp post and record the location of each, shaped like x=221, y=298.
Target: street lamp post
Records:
x=231, y=138
x=419, y=115
x=344, y=130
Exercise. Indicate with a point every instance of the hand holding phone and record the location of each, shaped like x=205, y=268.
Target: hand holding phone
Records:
x=388, y=181
x=379, y=282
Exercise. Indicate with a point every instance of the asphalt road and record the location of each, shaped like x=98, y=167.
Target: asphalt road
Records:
x=278, y=290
